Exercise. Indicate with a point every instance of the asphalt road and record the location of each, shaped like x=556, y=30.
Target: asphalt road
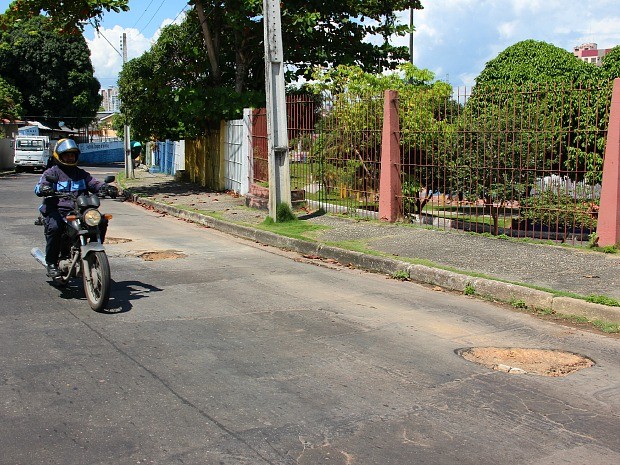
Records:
x=236, y=353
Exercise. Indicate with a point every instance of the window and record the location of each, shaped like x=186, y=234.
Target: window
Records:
x=29, y=144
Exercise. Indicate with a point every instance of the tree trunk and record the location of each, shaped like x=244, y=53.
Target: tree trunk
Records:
x=209, y=42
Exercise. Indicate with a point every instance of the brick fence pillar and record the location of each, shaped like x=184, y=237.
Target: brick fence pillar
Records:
x=608, y=228
x=390, y=189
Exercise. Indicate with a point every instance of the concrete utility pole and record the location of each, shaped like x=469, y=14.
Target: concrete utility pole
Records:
x=277, y=135
x=129, y=174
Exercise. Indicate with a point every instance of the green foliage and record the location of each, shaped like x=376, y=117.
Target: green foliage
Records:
x=401, y=275
x=606, y=327
x=611, y=63
x=10, y=98
x=320, y=33
x=167, y=93
x=534, y=62
x=284, y=213
x=52, y=72
x=603, y=300
x=203, y=71
x=469, y=290
x=520, y=303
x=560, y=209
x=593, y=240
x=296, y=228
x=62, y=15
x=356, y=114
x=535, y=107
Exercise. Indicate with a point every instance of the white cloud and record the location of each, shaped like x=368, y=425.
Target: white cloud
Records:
x=458, y=37
x=507, y=30
x=106, y=53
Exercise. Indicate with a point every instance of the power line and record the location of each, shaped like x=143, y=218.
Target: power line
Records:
x=152, y=17
x=147, y=7
x=179, y=14
x=106, y=39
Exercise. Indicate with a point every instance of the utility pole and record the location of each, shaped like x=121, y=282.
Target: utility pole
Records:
x=277, y=135
x=129, y=174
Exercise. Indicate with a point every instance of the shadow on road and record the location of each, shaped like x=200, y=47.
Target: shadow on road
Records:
x=121, y=295
x=124, y=292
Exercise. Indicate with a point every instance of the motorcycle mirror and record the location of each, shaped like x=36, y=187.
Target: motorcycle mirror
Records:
x=109, y=179
x=51, y=178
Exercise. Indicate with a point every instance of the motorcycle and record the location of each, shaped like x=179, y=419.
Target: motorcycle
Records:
x=82, y=252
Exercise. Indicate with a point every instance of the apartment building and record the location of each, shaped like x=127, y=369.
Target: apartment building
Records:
x=590, y=53
x=110, y=102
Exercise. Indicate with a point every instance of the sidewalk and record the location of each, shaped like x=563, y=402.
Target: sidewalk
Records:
x=538, y=276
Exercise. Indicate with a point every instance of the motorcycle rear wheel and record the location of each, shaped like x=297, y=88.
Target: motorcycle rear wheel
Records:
x=96, y=277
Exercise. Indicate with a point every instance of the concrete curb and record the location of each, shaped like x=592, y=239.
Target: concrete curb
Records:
x=487, y=288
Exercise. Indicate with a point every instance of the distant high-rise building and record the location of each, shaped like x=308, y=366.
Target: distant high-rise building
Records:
x=110, y=101
x=590, y=53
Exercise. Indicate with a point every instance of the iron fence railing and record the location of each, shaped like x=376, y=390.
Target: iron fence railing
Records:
x=518, y=162
x=523, y=162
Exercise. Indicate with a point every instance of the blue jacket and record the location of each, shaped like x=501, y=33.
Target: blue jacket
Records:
x=70, y=179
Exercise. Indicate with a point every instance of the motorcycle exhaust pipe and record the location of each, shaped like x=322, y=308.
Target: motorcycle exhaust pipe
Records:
x=38, y=256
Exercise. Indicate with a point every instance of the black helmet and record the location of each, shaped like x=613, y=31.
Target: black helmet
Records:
x=65, y=147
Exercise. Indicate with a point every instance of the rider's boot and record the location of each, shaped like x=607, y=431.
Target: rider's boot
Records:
x=52, y=270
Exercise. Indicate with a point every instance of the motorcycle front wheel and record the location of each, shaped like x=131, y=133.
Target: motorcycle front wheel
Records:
x=96, y=276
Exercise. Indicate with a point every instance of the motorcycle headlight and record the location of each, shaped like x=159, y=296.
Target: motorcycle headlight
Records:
x=92, y=217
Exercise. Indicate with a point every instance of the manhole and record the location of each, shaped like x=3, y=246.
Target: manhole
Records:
x=160, y=255
x=116, y=240
x=542, y=362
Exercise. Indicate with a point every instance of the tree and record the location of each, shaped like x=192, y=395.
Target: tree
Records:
x=534, y=62
x=65, y=16
x=314, y=32
x=537, y=101
x=611, y=63
x=10, y=98
x=212, y=65
x=348, y=147
x=168, y=93
x=52, y=71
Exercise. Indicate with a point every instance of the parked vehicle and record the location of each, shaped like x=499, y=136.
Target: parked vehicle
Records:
x=31, y=152
x=82, y=252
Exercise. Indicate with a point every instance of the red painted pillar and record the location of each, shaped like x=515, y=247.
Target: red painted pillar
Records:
x=390, y=189
x=608, y=227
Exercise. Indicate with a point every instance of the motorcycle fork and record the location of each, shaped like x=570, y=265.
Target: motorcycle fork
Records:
x=84, y=265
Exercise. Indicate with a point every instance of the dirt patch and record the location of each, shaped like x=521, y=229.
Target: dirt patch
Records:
x=527, y=361
x=160, y=255
x=116, y=240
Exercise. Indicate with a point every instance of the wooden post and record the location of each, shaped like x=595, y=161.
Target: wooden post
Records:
x=608, y=227
x=390, y=188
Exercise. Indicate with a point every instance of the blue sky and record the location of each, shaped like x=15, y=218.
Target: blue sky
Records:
x=453, y=38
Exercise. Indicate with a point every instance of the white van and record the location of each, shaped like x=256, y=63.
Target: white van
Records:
x=31, y=152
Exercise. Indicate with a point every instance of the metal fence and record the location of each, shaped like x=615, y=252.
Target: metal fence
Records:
x=518, y=162
x=521, y=162
x=335, y=150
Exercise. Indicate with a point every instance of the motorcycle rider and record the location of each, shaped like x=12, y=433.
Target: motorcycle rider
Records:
x=71, y=179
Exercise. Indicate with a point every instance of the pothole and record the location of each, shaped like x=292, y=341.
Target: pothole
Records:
x=543, y=362
x=160, y=255
x=116, y=240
